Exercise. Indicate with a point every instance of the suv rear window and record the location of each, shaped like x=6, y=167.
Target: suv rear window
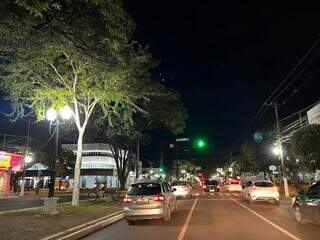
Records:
x=211, y=182
x=263, y=184
x=144, y=189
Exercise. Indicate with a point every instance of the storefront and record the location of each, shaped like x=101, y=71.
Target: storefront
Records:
x=9, y=163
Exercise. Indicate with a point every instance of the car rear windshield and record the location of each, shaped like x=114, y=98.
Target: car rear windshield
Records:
x=180, y=183
x=144, y=189
x=263, y=184
x=211, y=182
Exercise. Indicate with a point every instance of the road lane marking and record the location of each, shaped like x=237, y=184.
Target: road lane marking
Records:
x=220, y=194
x=268, y=221
x=185, y=226
x=235, y=194
x=228, y=194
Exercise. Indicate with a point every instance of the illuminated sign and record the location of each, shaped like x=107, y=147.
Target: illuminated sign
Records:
x=5, y=160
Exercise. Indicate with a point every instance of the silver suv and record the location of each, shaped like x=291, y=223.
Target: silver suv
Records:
x=149, y=200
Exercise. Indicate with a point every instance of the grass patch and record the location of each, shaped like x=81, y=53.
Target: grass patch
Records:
x=33, y=225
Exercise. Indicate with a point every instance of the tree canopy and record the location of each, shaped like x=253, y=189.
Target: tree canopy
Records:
x=76, y=53
x=305, y=145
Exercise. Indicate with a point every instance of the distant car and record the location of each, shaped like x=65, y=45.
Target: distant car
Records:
x=233, y=186
x=149, y=200
x=306, y=205
x=261, y=190
x=182, y=189
x=211, y=186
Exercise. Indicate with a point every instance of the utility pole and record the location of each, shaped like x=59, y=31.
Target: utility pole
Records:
x=162, y=156
x=137, y=159
x=275, y=105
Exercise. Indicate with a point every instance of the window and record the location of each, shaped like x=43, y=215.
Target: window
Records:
x=144, y=189
x=211, y=182
x=165, y=187
x=263, y=184
x=248, y=184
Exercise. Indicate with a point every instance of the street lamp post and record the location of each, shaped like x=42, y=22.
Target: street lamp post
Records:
x=52, y=115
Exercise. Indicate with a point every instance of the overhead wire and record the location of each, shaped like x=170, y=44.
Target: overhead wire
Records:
x=264, y=105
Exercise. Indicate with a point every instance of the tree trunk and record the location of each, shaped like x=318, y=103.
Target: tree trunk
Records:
x=76, y=187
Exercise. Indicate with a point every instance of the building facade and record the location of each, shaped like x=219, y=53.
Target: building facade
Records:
x=98, y=165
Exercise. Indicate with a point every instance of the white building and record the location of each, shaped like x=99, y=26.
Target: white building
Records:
x=98, y=165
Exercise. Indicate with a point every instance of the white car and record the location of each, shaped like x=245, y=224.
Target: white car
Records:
x=182, y=189
x=261, y=190
x=233, y=186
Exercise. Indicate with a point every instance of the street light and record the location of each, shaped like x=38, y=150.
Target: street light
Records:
x=54, y=116
x=276, y=151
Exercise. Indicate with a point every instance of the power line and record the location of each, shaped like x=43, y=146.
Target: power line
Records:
x=298, y=75
x=302, y=85
x=299, y=111
x=274, y=92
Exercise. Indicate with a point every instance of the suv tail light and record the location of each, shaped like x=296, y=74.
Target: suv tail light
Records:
x=159, y=198
x=127, y=200
x=253, y=186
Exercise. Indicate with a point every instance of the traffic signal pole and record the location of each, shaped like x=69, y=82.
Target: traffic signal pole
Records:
x=279, y=142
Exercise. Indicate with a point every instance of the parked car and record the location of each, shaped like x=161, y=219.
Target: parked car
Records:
x=182, y=189
x=261, y=190
x=149, y=200
x=233, y=185
x=211, y=186
x=306, y=205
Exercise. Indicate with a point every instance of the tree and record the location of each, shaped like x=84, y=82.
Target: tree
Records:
x=77, y=53
x=162, y=102
x=305, y=145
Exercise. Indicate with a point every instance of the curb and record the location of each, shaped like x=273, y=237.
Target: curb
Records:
x=97, y=225
x=35, y=208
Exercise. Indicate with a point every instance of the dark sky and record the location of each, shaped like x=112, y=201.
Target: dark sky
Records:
x=226, y=57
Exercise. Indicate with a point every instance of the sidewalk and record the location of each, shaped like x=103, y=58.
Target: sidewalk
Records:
x=33, y=225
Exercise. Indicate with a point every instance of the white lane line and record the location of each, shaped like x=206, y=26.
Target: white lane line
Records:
x=185, y=226
x=228, y=194
x=82, y=225
x=220, y=194
x=267, y=221
x=235, y=194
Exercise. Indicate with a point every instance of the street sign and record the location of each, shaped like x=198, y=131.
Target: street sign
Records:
x=272, y=168
x=182, y=139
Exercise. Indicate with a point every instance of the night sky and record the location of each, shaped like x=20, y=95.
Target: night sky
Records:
x=226, y=57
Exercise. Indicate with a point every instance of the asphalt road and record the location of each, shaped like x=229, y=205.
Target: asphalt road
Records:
x=216, y=216
x=31, y=201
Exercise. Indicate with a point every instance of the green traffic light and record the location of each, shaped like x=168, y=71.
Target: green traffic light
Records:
x=200, y=143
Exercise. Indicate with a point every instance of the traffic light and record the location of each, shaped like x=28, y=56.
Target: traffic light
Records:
x=200, y=143
x=161, y=170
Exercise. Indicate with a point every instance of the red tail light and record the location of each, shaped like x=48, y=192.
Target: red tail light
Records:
x=159, y=198
x=127, y=200
x=218, y=186
x=253, y=187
